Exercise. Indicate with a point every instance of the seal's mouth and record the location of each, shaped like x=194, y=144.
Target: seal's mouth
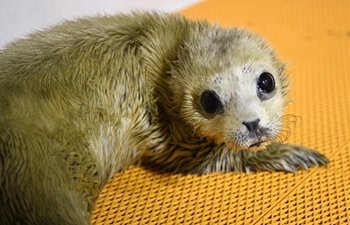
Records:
x=257, y=144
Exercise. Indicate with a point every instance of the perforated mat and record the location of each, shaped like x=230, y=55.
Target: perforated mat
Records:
x=314, y=36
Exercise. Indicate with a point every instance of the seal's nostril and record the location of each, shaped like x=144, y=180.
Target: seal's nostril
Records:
x=252, y=125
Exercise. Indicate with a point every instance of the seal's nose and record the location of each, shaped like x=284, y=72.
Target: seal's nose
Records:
x=252, y=125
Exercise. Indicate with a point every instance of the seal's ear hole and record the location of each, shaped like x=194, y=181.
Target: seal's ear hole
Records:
x=211, y=103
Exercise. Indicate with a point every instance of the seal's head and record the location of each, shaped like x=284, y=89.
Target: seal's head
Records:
x=229, y=87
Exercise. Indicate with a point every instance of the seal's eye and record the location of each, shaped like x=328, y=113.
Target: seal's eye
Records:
x=210, y=102
x=266, y=83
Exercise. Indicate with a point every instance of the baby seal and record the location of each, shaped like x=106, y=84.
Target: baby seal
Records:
x=88, y=98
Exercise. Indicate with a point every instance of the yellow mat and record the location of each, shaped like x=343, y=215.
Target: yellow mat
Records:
x=314, y=36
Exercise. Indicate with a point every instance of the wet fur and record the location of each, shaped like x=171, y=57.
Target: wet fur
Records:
x=88, y=98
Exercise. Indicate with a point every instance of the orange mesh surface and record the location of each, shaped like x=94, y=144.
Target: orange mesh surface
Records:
x=314, y=36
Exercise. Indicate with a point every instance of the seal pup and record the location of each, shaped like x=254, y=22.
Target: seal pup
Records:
x=88, y=98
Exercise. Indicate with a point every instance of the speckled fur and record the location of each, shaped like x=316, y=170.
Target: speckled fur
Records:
x=88, y=98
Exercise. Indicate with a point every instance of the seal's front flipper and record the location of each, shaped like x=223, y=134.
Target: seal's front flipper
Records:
x=284, y=157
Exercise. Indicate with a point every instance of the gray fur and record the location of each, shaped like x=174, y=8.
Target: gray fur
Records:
x=88, y=98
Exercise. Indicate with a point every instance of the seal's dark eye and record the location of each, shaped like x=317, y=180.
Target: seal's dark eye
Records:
x=210, y=102
x=266, y=83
